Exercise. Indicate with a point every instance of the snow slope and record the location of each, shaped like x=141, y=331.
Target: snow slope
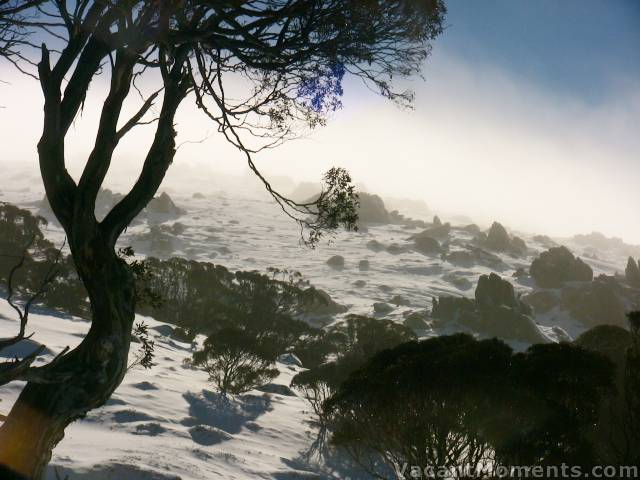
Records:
x=168, y=423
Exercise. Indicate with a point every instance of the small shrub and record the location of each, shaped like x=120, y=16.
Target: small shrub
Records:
x=236, y=361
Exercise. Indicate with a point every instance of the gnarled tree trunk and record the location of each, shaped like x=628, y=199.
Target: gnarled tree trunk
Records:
x=82, y=380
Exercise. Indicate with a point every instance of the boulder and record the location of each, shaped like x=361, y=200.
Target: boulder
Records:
x=518, y=246
x=427, y=245
x=493, y=291
x=382, y=308
x=337, y=262
x=275, y=388
x=476, y=256
x=164, y=205
x=375, y=246
x=545, y=241
x=363, y=265
x=496, y=311
x=558, y=265
x=438, y=232
x=542, y=301
x=371, y=209
x=359, y=283
x=321, y=304
x=632, y=273
x=436, y=221
x=416, y=321
x=497, y=238
x=395, y=249
x=471, y=228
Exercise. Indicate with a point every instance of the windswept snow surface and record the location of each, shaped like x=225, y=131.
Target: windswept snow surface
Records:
x=168, y=423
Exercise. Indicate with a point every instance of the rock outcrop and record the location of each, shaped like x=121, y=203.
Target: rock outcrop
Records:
x=556, y=266
x=498, y=239
x=495, y=311
x=337, y=262
x=632, y=273
x=164, y=205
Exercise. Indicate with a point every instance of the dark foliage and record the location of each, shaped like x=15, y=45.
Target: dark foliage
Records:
x=236, y=361
x=200, y=297
x=347, y=346
x=454, y=402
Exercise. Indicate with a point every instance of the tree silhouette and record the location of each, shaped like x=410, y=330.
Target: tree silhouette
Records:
x=292, y=54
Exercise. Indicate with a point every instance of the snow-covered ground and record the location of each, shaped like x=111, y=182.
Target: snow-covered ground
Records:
x=168, y=423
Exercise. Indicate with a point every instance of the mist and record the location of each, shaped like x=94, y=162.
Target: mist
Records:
x=480, y=142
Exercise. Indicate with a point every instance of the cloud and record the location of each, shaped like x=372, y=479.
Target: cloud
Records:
x=481, y=141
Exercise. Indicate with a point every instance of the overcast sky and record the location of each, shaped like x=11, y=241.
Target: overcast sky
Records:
x=529, y=114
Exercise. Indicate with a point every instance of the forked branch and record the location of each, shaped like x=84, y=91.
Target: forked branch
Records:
x=20, y=368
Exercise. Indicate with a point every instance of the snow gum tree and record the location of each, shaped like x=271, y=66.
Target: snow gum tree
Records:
x=292, y=57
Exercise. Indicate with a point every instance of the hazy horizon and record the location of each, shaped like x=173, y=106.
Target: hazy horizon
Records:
x=542, y=146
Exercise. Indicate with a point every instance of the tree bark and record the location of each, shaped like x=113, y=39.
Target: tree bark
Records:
x=89, y=374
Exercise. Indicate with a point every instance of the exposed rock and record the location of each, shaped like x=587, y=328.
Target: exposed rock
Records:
x=382, y=308
x=395, y=249
x=198, y=196
x=476, y=256
x=518, y=246
x=497, y=238
x=601, y=243
x=632, y=273
x=164, y=205
x=416, y=321
x=178, y=228
x=427, y=245
x=545, y=241
x=323, y=305
x=436, y=221
x=385, y=288
x=397, y=218
x=277, y=389
x=363, y=265
x=472, y=228
x=371, y=209
x=542, y=301
x=495, y=312
x=400, y=301
x=337, y=262
x=493, y=291
x=558, y=265
x=375, y=246
x=440, y=233
x=359, y=283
